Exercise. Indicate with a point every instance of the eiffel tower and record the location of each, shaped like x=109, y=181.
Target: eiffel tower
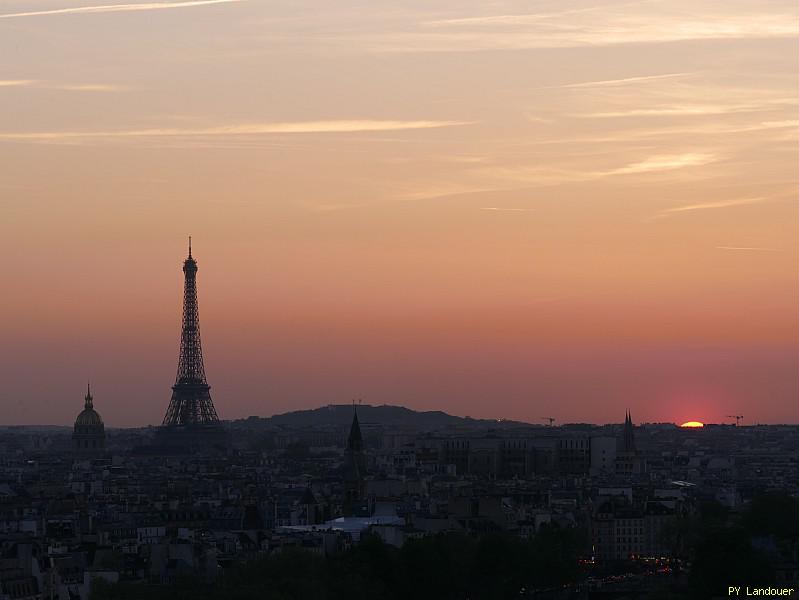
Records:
x=191, y=403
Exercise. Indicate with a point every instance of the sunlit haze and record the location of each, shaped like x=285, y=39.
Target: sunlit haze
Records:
x=498, y=209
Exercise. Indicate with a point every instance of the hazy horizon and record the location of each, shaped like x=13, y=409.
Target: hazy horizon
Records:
x=541, y=422
x=504, y=209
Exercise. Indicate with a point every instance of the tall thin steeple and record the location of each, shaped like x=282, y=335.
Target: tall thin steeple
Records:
x=354, y=464
x=355, y=439
x=629, y=433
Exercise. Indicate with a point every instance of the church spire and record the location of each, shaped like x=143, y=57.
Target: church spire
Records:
x=355, y=439
x=629, y=433
x=354, y=469
x=89, y=403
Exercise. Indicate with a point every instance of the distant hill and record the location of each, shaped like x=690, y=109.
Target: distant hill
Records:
x=43, y=429
x=340, y=415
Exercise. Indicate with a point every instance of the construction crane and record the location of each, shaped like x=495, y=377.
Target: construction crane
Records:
x=550, y=419
x=737, y=418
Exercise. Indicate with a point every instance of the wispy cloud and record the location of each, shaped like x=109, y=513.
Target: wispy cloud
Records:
x=709, y=206
x=502, y=209
x=88, y=87
x=343, y=126
x=666, y=162
x=16, y=82
x=335, y=207
x=515, y=19
x=692, y=129
x=109, y=8
x=683, y=110
x=712, y=205
x=788, y=123
x=614, y=25
x=70, y=87
x=748, y=248
x=509, y=178
x=618, y=82
x=526, y=19
x=447, y=189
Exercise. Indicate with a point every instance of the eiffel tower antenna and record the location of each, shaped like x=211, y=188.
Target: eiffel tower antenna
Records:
x=191, y=402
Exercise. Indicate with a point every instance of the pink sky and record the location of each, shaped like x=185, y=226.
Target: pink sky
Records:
x=483, y=208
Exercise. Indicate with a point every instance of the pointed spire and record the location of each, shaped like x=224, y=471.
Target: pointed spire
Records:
x=629, y=434
x=355, y=439
x=88, y=399
x=189, y=246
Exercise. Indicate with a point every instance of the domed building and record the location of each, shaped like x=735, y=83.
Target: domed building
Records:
x=88, y=437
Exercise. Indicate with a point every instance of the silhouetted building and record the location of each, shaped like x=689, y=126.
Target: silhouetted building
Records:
x=455, y=451
x=622, y=528
x=516, y=458
x=191, y=402
x=354, y=465
x=628, y=442
x=574, y=454
x=628, y=461
x=191, y=420
x=88, y=436
x=604, y=449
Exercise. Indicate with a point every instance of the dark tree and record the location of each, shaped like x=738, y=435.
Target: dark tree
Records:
x=726, y=558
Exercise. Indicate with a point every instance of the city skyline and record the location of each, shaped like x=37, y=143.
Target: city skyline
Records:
x=488, y=209
x=191, y=372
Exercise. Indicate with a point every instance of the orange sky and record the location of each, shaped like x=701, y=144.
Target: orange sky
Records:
x=503, y=209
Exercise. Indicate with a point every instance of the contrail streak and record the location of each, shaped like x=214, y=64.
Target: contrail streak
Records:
x=107, y=8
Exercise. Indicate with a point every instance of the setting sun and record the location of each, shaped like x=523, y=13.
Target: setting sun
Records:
x=692, y=424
